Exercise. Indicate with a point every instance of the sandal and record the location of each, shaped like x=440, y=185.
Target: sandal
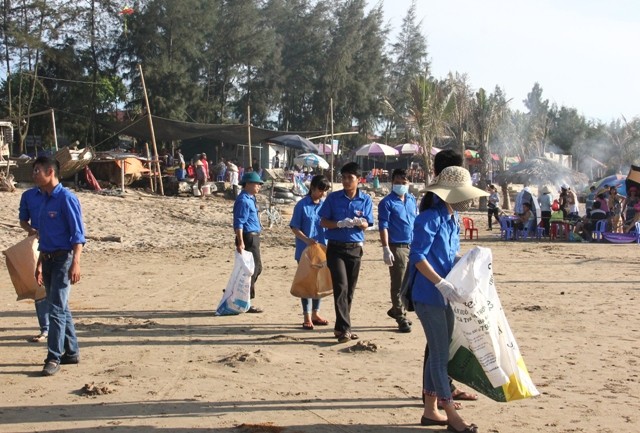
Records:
x=38, y=338
x=346, y=336
x=320, y=321
x=458, y=394
x=308, y=326
x=470, y=429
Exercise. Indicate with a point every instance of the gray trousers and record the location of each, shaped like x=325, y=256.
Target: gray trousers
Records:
x=396, y=272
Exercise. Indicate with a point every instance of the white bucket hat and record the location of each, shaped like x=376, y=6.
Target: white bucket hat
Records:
x=454, y=185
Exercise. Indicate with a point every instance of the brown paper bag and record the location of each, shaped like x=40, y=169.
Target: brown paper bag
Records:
x=21, y=263
x=312, y=279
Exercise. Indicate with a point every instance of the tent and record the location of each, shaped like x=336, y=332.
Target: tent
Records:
x=167, y=130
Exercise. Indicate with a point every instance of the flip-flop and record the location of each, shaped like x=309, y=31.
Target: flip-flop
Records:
x=463, y=395
x=38, y=338
x=308, y=326
x=320, y=322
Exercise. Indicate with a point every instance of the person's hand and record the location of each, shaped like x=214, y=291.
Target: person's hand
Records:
x=387, y=256
x=38, y=274
x=310, y=241
x=449, y=291
x=33, y=232
x=74, y=272
x=345, y=223
x=240, y=246
x=359, y=222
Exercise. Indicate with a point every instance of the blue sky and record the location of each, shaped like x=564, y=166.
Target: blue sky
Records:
x=584, y=54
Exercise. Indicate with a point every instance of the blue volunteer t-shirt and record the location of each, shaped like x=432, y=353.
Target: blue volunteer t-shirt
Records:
x=245, y=213
x=60, y=221
x=397, y=216
x=306, y=219
x=338, y=206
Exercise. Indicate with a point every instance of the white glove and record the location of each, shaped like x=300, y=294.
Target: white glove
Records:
x=359, y=222
x=345, y=223
x=449, y=291
x=387, y=256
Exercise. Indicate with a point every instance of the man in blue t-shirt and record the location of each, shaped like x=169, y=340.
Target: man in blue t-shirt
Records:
x=61, y=233
x=247, y=228
x=396, y=214
x=29, y=211
x=345, y=214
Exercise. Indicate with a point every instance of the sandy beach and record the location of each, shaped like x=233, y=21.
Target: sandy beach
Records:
x=159, y=360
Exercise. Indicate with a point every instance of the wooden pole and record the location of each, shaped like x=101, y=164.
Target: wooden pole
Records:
x=55, y=134
x=153, y=135
x=151, y=177
x=249, y=132
x=331, y=144
x=122, y=163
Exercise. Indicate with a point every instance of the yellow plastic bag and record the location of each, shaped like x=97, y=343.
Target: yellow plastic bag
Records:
x=312, y=279
x=21, y=263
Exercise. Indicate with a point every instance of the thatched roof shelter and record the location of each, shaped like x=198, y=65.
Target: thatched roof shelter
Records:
x=542, y=171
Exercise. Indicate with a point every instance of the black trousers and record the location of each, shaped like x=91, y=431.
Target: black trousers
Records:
x=343, y=261
x=252, y=245
x=493, y=212
x=546, y=221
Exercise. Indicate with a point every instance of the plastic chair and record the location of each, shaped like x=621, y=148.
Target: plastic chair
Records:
x=601, y=227
x=506, y=229
x=469, y=228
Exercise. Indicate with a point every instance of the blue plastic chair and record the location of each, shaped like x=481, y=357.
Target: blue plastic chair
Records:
x=601, y=227
x=506, y=229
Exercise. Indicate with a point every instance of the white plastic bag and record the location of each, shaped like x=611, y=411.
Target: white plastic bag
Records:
x=483, y=353
x=236, y=298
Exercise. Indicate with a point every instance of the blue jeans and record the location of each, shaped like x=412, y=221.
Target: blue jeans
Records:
x=62, y=334
x=42, y=311
x=307, y=305
x=438, y=328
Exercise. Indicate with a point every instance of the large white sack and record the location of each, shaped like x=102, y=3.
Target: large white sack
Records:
x=483, y=353
x=236, y=298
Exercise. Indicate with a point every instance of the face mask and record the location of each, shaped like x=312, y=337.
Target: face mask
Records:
x=401, y=189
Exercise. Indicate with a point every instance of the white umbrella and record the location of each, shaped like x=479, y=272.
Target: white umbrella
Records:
x=376, y=149
x=311, y=160
x=408, y=148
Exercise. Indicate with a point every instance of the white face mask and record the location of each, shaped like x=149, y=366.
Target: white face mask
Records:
x=401, y=189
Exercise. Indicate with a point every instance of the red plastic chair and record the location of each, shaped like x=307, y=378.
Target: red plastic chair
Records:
x=469, y=228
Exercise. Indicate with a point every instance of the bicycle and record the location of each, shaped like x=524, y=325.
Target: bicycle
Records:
x=271, y=215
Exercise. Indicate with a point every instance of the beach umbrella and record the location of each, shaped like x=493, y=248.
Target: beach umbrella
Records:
x=376, y=149
x=541, y=171
x=295, y=142
x=326, y=149
x=408, y=148
x=311, y=160
x=617, y=180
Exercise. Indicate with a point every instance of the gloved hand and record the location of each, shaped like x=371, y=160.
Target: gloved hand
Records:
x=359, y=221
x=345, y=223
x=449, y=291
x=387, y=256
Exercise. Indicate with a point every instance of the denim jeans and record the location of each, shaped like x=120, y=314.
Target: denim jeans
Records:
x=438, y=328
x=307, y=304
x=42, y=311
x=62, y=333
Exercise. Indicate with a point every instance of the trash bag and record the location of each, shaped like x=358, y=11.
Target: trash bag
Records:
x=483, y=353
x=236, y=298
x=21, y=263
x=312, y=279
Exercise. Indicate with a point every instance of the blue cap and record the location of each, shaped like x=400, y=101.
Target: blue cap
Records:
x=251, y=177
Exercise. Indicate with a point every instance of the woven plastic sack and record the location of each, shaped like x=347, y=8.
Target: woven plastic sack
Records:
x=21, y=263
x=483, y=353
x=312, y=279
x=236, y=298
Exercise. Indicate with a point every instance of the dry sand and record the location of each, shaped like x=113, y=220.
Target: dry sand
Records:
x=154, y=358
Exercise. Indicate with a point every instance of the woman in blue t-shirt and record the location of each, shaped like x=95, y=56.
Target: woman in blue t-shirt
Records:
x=435, y=245
x=305, y=225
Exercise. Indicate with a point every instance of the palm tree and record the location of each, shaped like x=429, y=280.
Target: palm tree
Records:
x=484, y=116
x=461, y=94
x=429, y=104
